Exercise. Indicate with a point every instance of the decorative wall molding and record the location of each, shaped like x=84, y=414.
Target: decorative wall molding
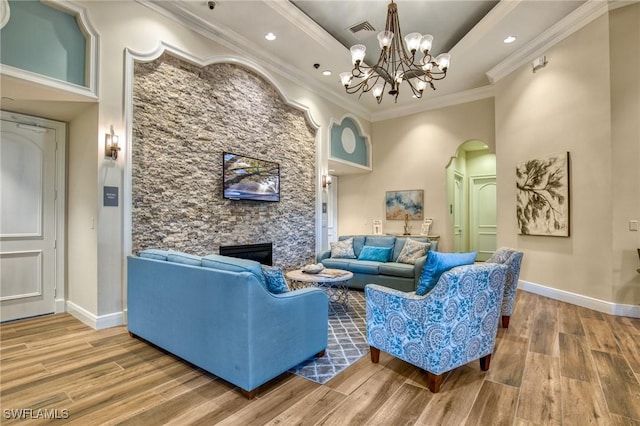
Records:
x=581, y=300
x=131, y=57
x=365, y=136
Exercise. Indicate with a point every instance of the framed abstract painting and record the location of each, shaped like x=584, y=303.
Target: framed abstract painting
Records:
x=399, y=204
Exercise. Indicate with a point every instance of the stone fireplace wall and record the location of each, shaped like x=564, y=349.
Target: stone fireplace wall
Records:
x=184, y=117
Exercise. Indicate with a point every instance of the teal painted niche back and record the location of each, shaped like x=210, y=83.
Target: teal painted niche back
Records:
x=45, y=41
x=348, y=145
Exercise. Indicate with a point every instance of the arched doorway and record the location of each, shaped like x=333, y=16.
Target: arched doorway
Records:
x=471, y=196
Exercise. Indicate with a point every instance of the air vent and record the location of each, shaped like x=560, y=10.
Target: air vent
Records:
x=362, y=30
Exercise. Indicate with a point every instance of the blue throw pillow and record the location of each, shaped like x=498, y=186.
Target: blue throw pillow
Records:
x=438, y=263
x=276, y=283
x=378, y=254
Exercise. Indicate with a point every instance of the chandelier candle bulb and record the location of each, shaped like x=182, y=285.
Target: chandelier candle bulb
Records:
x=397, y=63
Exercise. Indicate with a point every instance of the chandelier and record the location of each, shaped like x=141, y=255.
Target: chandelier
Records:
x=396, y=63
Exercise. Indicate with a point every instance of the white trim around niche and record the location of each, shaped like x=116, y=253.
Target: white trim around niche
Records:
x=130, y=58
x=581, y=300
x=91, y=62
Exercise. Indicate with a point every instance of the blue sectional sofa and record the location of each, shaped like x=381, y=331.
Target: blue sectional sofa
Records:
x=390, y=273
x=217, y=313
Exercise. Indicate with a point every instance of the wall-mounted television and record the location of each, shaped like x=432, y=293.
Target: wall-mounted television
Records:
x=247, y=178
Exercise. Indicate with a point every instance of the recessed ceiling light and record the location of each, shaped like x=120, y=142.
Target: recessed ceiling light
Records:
x=270, y=36
x=326, y=72
x=509, y=39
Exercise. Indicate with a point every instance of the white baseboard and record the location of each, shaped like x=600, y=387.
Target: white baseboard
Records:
x=580, y=300
x=60, y=306
x=94, y=321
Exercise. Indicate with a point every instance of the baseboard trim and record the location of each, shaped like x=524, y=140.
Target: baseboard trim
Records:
x=94, y=321
x=580, y=300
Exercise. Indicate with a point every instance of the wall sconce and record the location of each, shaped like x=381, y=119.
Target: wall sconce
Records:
x=111, y=147
x=326, y=181
x=539, y=63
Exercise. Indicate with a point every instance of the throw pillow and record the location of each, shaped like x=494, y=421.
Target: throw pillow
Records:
x=438, y=263
x=343, y=249
x=377, y=254
x=276, y=283
x=412, y=250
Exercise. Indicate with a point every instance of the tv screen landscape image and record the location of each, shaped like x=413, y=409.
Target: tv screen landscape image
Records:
x=247, y=178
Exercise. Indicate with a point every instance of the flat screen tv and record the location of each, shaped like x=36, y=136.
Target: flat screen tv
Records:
x=247, y=178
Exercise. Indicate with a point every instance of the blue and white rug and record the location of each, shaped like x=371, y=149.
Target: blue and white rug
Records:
x=347, y=341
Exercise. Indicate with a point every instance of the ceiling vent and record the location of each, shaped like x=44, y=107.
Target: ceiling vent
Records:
x=362, y=30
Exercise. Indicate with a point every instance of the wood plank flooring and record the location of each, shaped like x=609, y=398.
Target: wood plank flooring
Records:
x=556, y=364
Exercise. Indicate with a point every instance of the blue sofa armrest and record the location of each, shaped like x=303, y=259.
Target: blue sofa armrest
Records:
x=323, y=255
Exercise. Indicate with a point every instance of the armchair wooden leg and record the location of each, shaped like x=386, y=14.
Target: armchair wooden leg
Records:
x=249, y=394
x=434, y=381
x=321, y=354
x=505, y=321
x=484, y=362
x=375, y=354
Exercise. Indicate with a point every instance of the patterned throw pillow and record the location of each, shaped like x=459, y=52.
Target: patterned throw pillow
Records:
x=377, y=254
x=276, y=283
x=343, y=249
x=412, y=250
x=437, y=264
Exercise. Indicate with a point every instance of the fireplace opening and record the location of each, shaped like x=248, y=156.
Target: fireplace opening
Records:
x=262, y=253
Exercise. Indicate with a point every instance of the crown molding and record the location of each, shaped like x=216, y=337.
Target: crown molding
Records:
x=436, y=103
x=243, y=47
x=573, y=22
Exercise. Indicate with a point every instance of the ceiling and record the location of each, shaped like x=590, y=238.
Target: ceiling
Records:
x=316, y=32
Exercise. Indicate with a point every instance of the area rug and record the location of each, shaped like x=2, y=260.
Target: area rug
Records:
x=347, y=341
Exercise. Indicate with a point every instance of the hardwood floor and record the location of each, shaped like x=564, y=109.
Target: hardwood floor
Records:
x=556, y=364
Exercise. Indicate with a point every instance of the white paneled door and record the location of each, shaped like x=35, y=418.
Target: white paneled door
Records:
x=483, y=216
x=27, y=220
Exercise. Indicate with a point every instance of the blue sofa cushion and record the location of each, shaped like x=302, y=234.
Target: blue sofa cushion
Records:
x=155, y=254
x=365, y=267
x=358, y=242
x=343, y=249
x=276, y=283
x=397, y=269
x=336, y=263
x=411, y=251
x=227, y=263
x=184, y=258
x=381, y=241
x=377, y=254
x=437, y=263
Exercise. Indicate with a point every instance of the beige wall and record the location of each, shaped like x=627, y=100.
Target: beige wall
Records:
x=624, y=30
x=412, y=153
x=570, y=106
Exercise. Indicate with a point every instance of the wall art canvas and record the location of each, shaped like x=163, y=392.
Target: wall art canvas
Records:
x=399, y=204
x=543, y=196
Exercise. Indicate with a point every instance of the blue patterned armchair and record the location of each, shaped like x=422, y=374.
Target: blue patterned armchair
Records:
x=452, y=325
x=513, y=259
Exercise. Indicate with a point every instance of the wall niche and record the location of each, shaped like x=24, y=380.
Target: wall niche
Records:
x=184, y=118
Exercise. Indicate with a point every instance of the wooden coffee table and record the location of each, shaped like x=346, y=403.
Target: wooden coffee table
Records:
x=333, y=281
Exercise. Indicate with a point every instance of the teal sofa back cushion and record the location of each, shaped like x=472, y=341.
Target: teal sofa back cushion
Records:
x=184, y=258
x=155, y=254
x=233, y=264
x=381, y=241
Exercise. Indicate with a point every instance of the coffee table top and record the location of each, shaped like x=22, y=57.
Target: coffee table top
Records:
x=325, y=276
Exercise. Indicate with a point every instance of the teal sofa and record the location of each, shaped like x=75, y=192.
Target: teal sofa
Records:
x=392, y=274
x=216, y=313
